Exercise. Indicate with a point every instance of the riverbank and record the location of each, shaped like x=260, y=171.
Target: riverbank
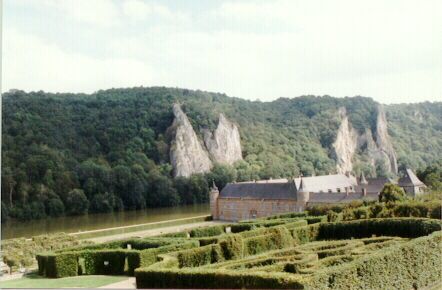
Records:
x=155, y=232
x=136, y=230
x=12, y=229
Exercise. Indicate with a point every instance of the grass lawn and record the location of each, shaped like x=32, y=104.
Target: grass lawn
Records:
x=36, y=281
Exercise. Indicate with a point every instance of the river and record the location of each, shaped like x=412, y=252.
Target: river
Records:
x=70, y=224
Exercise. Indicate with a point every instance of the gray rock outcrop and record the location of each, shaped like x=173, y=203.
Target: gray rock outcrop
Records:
x=345, y=144
x=376, y=146
x=383, y=142
x=224, y=144
x=187, y=154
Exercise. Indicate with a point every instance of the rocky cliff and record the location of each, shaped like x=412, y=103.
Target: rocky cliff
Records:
x=375, y=146
x=345, y=144
x=187, y=154
x=383, y=142
x=224, y=144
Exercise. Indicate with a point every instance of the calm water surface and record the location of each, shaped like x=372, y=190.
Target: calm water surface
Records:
x=15, y=229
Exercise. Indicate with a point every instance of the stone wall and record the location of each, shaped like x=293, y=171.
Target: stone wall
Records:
x=235, y=209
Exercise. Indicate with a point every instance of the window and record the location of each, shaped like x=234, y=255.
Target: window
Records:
x=338, y=189
x=329, y=191
x=253, y=214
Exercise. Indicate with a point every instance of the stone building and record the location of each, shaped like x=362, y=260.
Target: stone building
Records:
x=249, y=200
x=411, y=184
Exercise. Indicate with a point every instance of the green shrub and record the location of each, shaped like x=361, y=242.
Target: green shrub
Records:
x=212, y=279
x=199, y=256
x=208, y=241
x=238, y=228
x=295, y=224
x=436, y=212
x=288, y=215
x=402, y=227
x=150, y=256
x=41, y=261
x=410, y=265
x=305, y=234
x=207, y=231
x=275, y=238
x=333, y=216
x=316, y=219
x=60, y=265
x=232, y=247
x=133, y=261
x=176, y=235
x=95, y=262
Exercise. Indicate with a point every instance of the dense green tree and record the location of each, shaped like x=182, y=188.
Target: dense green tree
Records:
x=392, y=193
x=77, y=202
x=117, y=141
x=54, y=207
x=222, y=174
x=102, y=203
x=432, y=175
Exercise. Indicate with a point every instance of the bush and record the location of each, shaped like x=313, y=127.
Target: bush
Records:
x=208, y=241
x=232, y=247
x=200, y=256
x=54, y=207
x=274, y=238
x=77, y=202
x=405, y=266
x=305, y=234
x=212, y=279
x=392, y=193
x=207, y=231
x=333, y=216
x=436, y=212
x=95, y=262
x=150, y=256
x=176, y=235
x=238, y=228
x=60, y=265
x=402, y=227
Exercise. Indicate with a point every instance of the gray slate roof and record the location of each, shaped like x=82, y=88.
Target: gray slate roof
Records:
x=375, y=185
x=283, y=190
x=340, y=197
x=326, y=182
x=410, y=179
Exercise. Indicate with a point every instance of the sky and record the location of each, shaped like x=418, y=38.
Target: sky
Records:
x=388, y=50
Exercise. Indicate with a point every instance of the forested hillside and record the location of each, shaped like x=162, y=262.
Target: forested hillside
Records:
x=74, y=153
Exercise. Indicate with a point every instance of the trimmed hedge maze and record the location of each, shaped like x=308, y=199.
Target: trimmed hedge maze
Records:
x=290, y=251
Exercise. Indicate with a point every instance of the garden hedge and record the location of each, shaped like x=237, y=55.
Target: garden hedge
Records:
x=411, y=265
x=200, y=256
x=207, y=231
x=401, y=265
x=60, y=265
x=104, y=262
x=402, y=227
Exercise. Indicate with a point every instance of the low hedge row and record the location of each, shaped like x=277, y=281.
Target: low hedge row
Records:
x=58, y=265
x=410, y=265
x=200, y=256
x=402, y=227
x=412, y=208
x=207, y=231
x=275, y=238
x=92, y=261
x=213, y=279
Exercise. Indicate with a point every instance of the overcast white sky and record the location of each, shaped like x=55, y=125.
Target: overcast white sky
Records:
x=388, y=50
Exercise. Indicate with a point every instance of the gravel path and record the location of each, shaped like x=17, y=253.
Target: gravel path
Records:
x=155, y=232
